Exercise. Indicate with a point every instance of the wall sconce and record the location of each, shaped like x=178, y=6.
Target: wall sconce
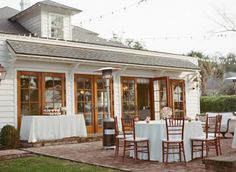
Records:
x=2, y=73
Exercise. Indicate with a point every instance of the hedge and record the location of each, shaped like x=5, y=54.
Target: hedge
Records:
x=218, y=104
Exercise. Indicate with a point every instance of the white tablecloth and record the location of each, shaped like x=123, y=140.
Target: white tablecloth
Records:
x=35, y=128
x=155, y=131
x=234, y=139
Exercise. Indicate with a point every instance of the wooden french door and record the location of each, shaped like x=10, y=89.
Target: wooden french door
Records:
x=129, y=97
x=178, y=98
x=90, y=99
x=160, y=95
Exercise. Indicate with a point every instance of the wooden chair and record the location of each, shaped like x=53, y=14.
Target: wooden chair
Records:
x=119, y=138
x=210, y=139
x=137, y=144
x=174, y=140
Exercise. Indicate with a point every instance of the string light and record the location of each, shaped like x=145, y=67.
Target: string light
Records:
x=112, y=12
x=204, y=37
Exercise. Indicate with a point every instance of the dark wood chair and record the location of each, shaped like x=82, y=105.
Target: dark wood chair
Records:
x=174, y=143
x=210, y=139
x=137, y=144
x=119, y=138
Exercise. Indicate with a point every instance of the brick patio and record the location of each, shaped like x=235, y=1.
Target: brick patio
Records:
x=93, y=153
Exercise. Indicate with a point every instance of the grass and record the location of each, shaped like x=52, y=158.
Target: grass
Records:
x=46, y=164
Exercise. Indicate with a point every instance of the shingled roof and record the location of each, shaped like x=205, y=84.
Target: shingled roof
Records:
x=7, y=26
x=66, y=52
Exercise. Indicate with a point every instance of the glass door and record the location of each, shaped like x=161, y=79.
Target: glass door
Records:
x=101, y=102
x=178, y=97
x=84, y=99
x=90, y=99
x=129, y=97
x=161, y=95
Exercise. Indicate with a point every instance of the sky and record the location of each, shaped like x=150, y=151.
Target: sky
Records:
x=173, y=26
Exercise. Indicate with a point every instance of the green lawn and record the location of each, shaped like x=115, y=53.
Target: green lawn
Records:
x=46, y=164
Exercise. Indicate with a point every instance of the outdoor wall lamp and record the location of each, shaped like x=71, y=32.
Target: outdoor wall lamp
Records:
x=2, y=73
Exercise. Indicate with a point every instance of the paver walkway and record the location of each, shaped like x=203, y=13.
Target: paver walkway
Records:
x=93, y=153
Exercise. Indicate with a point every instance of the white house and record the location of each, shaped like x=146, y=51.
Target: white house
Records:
x=51, y=64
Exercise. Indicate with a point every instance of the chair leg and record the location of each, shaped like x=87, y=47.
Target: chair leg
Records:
x=180, y=152
x=148, y=150
x=219, y=146
x=191, y=149
x=163, y=152
x=135, y=150
x=216, y=147
x=202, y=149
x=183, y=153
x=117, y=147
x=167, y=152
x=124, y=150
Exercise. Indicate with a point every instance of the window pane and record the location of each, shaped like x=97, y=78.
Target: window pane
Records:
x=48, y=95
x=48, y=82
x=88, y=119
x=24, y=108
x=24, y=95
x=87, y=107
x=80, y=83
x=88, y=95
x=34, y=109
x=57, y=96
x=57, y=105
x=57, y=83
x=49, y=105
x=100, y=84
x=33, y=82
x=24, y=81
x=80, y=95
x=80, y=107
x=88, y=84
x=34, y=95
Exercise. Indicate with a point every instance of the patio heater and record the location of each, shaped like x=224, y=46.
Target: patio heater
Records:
x=2, y=73
x=108, y=122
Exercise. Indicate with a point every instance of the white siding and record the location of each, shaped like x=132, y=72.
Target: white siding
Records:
x=7, y=94
x=192, y=100
x=31, y=21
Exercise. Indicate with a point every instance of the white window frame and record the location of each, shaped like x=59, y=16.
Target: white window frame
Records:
x=50, y=25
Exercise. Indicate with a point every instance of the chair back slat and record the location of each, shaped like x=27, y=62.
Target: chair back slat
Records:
x=174, y=128
x=213, y=124
x=128, y=127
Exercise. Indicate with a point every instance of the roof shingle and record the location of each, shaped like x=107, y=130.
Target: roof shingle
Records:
x=40, y=49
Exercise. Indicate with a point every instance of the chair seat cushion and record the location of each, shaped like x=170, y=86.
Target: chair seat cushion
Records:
x=173, y=140
x=202, y=138
x=136, y=139
x=121, y=136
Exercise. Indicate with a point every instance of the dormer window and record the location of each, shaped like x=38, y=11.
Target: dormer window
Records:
x=56, y=26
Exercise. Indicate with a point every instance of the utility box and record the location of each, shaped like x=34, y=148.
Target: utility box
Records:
x=108, y=133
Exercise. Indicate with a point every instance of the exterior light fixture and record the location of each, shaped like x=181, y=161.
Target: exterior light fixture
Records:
x=2, y=72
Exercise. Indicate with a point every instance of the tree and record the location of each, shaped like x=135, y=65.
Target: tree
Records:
x=226, y=22
x=132, y=43
x=209, y=70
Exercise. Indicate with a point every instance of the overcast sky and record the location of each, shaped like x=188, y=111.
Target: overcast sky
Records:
x=174, y=26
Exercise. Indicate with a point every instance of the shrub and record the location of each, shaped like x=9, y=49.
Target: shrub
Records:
x=218, y=104
x=9, y=137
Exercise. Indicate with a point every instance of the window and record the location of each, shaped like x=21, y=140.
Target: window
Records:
x=37, y=91
x=56, y=28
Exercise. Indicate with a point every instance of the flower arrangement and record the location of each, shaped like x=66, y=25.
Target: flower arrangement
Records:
x=147, y=119
x=188, y=118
